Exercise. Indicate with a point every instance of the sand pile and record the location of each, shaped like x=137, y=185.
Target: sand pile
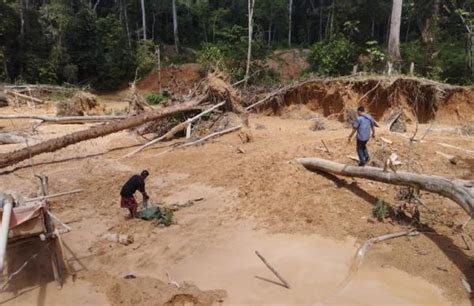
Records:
x=151, y=292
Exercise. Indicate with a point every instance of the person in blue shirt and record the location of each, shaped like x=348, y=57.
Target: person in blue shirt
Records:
x=364, y=126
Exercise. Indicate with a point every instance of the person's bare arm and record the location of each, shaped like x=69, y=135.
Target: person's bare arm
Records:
x=352, y=134
x=143, y=191
x=373, y=131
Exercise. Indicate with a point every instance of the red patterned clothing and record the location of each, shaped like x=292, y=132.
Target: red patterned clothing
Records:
x=129, y=202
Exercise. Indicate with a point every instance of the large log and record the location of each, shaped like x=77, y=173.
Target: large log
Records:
x=64, y=120
x=20, y=88
x=460, y=191
x=7, y=159
x=17, y=94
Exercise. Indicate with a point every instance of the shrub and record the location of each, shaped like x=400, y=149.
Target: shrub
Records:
x=155, y=98
x=210, y=54
x=335, y=57
x=145, y=57
x=376, y=54
x=381, y=210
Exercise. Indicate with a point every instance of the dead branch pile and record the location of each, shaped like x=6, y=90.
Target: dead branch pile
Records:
x=215, y=89
x=81, y=104
x=216, y=122
x=218, y=89
x=466, y=130
x=211, y=90
x=136, y=103
x=31, y=95
x=419, y=97
x=318, y=124
x=18, y=99
x=379, y=156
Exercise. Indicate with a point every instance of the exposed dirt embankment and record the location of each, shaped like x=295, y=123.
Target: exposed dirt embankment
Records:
x=417, y=98
x=288, y=64
x=178, y=79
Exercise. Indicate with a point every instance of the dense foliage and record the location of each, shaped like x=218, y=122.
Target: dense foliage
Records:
x=100, y=42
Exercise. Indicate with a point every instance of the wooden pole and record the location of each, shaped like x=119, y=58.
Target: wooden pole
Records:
x=54, y=195
x=68, y=119
x=43, y=184
x=63, y=254
x=324, y=144
x=284, y=282
x=412, y=69
x=188, y=130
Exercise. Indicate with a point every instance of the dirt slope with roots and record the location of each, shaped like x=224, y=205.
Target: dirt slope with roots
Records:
x=418, y=98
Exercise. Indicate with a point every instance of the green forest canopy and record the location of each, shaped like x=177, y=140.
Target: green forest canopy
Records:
x=100, y=42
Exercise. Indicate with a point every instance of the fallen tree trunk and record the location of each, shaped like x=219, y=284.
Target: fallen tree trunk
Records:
x=18, y=88
x=7, y=159
x=460, y=191
x=17, y=94
x=64, y=120
x=9, y=138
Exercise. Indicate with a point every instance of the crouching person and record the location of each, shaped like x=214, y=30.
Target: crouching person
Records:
x=136, y=182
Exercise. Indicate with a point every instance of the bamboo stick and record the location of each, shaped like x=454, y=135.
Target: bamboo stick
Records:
x=285, y=283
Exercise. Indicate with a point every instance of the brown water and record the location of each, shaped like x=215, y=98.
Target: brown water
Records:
x=315, y=267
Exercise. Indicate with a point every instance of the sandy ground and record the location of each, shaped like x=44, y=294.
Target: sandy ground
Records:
x=306, y=225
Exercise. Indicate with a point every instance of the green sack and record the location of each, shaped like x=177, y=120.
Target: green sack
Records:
x=163, y=216
x=149, y=213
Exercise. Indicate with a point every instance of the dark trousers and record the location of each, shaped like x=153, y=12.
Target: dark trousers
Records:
x=362, y=152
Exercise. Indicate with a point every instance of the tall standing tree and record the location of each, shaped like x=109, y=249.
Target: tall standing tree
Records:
x=143, y=19
x=175, y=26
x=290, y=11
x=394, y=38
x=251, y=5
